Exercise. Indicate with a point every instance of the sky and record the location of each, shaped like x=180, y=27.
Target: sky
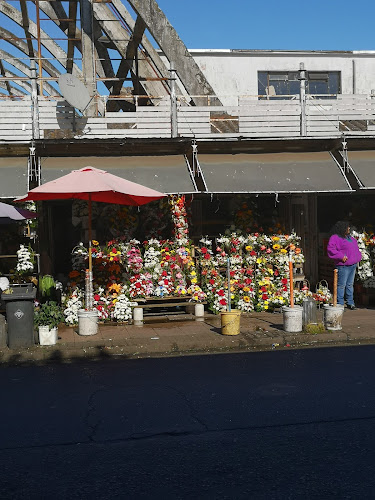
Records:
x=271, y=24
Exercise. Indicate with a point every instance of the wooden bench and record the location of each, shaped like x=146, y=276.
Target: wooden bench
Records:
x=168, y=301
x=160, y=302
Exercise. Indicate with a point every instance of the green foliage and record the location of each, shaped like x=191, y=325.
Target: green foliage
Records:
x=314, y=328
x=46, y=286
x=48, y=314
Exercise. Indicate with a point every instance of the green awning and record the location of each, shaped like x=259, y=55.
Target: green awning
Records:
x=273, y=173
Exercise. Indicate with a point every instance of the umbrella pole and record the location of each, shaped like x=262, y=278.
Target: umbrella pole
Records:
x=89, y=291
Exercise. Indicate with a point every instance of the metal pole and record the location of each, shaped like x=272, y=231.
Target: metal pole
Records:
x=302, y=98
x=34, y=101
x=174, y=126
x=39, y=48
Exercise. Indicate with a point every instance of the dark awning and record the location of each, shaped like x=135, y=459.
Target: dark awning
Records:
x=168, y=174
x=363, y=165
x=13, y=177
x=273, y=173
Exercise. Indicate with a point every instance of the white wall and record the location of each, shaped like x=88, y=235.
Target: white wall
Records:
x=235, y=73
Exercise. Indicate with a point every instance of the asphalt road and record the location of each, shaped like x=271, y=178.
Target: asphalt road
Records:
x=267, y=425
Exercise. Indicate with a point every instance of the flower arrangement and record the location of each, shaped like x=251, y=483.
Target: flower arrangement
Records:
x=365, y=266
x=258, y=267
x=48, y=314
x=179, y=219
x=73, y=301
x=322, y=294
x=25, y=260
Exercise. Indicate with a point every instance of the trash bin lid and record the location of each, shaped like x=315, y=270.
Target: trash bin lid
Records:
x=19, y=292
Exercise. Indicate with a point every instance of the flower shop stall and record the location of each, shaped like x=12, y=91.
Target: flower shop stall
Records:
x=174, y=271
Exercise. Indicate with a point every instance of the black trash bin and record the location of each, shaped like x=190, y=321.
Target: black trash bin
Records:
x=19, y=309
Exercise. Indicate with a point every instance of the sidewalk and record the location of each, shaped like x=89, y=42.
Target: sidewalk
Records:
x=181, y=334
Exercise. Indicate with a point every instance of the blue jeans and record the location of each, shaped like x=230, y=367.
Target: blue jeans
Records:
x=345, y=281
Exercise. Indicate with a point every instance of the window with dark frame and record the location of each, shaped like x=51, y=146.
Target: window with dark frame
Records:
x=286, y=84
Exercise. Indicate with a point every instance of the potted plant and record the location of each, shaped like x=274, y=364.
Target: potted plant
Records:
x=47, y=317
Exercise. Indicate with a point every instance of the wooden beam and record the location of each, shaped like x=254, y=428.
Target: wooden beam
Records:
x=71, y=35
x=131, y=51
x=7, y=84
x=173, y=47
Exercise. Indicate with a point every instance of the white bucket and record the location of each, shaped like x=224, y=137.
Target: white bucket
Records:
x=292, y=319
x=138, y=316
x=332, y=317
x=87, y=322
x=47, y=336
x=199, y=312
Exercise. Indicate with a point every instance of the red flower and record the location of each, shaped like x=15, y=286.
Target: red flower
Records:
x=96, y=297
x=284, y=281
x=164, y=273
x=211, y=281
x=276, y=272
x=204, y=250
x=232, y=273
x=263, y=289
x=207, y=256
x=221, y=293
x=223, y=302
x=264, y=296
x=252, y=253
x=138, y=285
x=166, y=282
x=248, y=281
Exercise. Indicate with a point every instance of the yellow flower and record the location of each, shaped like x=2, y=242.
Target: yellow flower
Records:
x=232, y=296
x=194, y=280
x=259, y=260
x=275, y=238
x=249, y=248
x=95, y=243
x=266, y=302
x=193, y=273
x=246, y=289
x=265, y=307
x=283, y=250
x=276, y=246
x=246, y=298
x=183, y=292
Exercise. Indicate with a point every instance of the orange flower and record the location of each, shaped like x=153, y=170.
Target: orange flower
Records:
x=115, y=287
x=292, y=247
x=298, y=250
x=74, y=274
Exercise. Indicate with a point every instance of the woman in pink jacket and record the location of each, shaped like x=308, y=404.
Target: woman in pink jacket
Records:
x=343, y=250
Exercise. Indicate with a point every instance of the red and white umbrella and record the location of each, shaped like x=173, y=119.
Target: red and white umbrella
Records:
x=93, y=184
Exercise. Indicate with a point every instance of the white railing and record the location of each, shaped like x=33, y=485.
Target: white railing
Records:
x=250, y=117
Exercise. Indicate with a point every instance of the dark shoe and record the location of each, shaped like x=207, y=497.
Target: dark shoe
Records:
x=351, y=307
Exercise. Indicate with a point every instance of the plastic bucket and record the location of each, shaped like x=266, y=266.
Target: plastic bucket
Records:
x=87, y=322
x=47, y=336
x=332, y=317
x=292, y=317
x=230, y=322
